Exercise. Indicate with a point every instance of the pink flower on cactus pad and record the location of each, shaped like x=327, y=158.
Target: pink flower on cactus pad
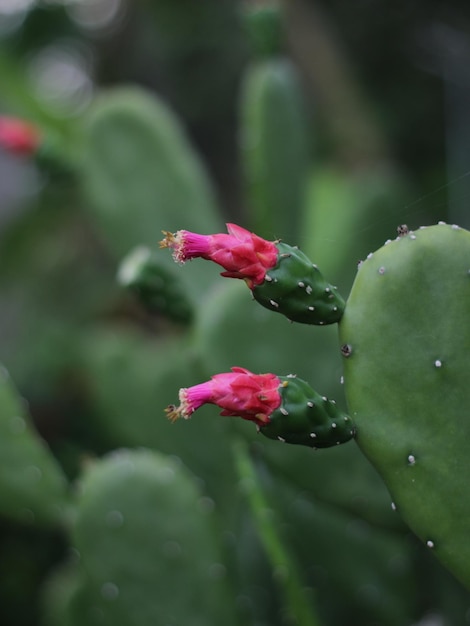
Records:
x=242, y=254
x=18, y=137
x=239, y=393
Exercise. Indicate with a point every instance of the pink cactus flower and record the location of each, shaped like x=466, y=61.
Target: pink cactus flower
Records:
x=241, y=253
x=18, y=137
x=239, y=393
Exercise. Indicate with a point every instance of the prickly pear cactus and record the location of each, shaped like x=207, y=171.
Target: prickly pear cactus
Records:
x=33, y=488
x=405, y=338
x=147, y=551
x=158, y=289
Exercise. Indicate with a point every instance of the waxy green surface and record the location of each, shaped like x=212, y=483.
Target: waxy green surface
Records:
x=407, y=329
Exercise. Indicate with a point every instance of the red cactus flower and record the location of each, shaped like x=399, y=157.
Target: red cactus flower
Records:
x=240, y=393
x=18, y=137
x=241, y=253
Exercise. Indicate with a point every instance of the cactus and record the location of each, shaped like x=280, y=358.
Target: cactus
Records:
x=142, y=529
x=280, y=276
x=155, y=286
x=136, y=164
x=274, y=145
x=404, y=340
x=405, y=335
x=34, y=488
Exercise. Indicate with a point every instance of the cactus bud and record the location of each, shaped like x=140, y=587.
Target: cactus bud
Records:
x=239, y=393
x=18, y=137
x=283, y=408
x=281, y=277
x=241, y=253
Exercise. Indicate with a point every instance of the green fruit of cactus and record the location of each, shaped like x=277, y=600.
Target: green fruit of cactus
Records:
x=405, y=337
x=306, y=418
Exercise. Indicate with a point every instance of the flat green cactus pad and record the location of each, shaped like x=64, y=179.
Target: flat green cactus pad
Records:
x=405, y=337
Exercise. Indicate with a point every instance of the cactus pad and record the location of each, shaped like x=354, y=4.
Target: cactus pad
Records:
x=406, y=338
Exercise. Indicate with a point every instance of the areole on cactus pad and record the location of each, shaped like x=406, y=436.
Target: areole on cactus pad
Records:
x=405, y=339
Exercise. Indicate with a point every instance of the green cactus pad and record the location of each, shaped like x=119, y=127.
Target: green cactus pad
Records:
x=33, y=488
x=139, y=173
x=306, y=418
x=158, y=288
x=274, y=136
x=148, y=552
x=406, y=339
x=296, y=288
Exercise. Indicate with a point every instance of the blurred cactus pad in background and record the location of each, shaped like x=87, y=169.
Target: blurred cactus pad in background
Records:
x=323, y=127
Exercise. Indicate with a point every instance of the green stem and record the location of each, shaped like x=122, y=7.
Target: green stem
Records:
x=295, y=598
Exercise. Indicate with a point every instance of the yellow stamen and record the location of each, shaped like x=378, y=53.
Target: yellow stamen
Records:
x=173, y=412
x=169, y=241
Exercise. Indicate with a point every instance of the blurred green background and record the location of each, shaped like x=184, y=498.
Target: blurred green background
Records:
x=324, y=123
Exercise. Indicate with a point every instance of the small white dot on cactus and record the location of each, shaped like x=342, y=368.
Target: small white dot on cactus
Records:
x=438, y=363
x=268, y=278
x=341, y=380
x=312, y=308
x=321, y=323
x=333, y=401
x=381, y=270
x=370, y=255
x=284, y=411
x=387, y=242
x=324, y=398
x=411, y=459
x=335, y=308
x=291, y=375
x=430, y=543
x=455, y=227
x=394, y=506
x=441, y=223
x=359, y=264
x=285, y=255
x=110, y=591
x=412, y=236
x=282, y=439
x=346, y=418
x=310, y=404
x=301, y=284
x=308, y=289
x=315, y=267
x=313, y=435
x=327, y=290
x=333, y=425
x=274, y=303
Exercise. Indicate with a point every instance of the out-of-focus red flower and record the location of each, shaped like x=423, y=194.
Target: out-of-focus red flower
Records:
x=239, y=393
x=18, y=137
x=242, y=254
